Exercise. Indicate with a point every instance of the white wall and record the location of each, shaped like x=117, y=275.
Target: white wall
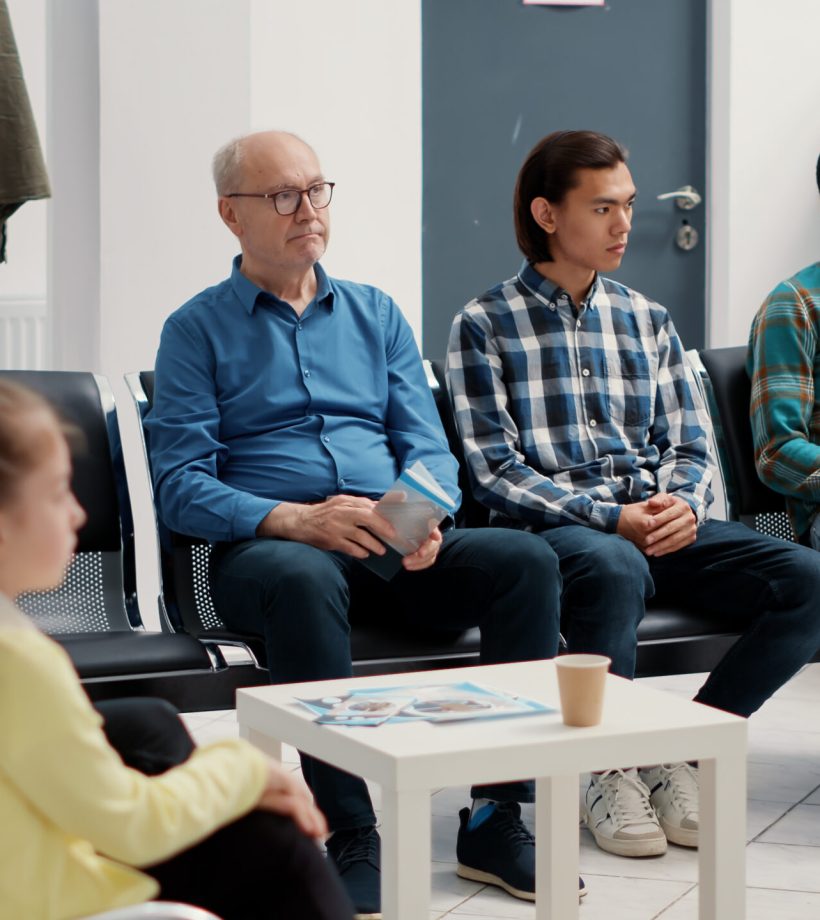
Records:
x=174, y=81
x=346, y=76
x=765, y=218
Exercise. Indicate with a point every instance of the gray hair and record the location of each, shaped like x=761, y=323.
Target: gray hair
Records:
x=227, y=166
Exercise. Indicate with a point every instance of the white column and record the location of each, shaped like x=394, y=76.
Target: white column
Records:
x=73, y=157
x=765, y=207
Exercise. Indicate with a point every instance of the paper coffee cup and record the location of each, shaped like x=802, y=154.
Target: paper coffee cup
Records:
x=581, y=682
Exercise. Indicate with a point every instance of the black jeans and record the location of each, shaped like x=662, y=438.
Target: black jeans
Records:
x=298, y=597
x=260, y=867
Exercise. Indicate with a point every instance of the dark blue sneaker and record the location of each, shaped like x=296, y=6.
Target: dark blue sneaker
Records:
x=357, y=856
x=499, y=850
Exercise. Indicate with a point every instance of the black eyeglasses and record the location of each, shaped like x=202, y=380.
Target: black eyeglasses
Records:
x=289, y=200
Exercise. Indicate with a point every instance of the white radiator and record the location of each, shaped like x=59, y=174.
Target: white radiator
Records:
x=23, y=334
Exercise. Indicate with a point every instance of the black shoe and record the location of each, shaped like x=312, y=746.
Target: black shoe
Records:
x=357, y=856
x=500, y=851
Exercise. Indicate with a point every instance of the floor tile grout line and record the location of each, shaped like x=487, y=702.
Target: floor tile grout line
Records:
x=468, y=898
x=788, y=811
x=672, y=903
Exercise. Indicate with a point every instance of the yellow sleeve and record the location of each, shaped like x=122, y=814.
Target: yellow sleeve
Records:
x=55, y=752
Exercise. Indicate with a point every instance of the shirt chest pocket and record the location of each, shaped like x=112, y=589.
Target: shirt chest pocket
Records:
x=630, y=389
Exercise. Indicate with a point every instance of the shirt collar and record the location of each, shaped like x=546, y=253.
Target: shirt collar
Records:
x=248, y=293
x=551, y=292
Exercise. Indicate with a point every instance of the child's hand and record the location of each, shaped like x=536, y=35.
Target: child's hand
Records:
x=287, y=795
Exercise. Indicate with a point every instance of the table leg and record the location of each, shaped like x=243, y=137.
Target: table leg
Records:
x=722, y=838
x=265, y=743
x=405, y=833
x=556, y=847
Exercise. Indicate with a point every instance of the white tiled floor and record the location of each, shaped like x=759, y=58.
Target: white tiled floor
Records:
x=783, y=854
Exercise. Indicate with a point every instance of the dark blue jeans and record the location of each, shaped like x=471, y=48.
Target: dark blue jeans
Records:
x=771, y=586
x=298, y=598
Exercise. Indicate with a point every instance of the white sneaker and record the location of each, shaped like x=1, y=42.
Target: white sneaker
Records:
x=616, y=809
x=674, y=794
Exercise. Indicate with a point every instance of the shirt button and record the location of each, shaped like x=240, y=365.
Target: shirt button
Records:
x=326, y=439
x=552, y=307
x=592, y=423
x=298, y=327
x=585, y=372
x=307, y=373
x=341, y=483
x=577, y=323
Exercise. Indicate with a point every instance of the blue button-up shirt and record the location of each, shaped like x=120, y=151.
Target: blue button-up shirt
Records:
x=255, y=405
x=569, y=412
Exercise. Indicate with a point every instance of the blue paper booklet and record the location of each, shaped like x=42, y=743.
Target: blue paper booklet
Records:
x=436, y=703
x=414, y=505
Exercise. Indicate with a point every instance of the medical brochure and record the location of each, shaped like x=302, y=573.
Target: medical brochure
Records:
x=414, y=505
x=437, y=703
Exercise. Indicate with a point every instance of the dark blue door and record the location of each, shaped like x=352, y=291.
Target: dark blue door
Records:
x=498, y=75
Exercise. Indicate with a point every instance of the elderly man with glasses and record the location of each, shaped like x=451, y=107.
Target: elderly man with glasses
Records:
x=286, y=403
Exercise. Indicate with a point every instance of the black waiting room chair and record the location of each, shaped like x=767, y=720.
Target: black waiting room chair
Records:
x=728, y=392
x=673, y=639
x=94, y=613
x=186, y=604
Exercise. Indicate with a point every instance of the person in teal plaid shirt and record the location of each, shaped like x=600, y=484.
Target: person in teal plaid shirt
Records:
x=784, y=365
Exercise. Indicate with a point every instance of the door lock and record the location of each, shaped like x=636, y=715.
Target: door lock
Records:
x=687, y=237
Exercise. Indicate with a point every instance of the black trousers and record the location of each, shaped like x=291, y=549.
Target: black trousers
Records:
x=260, y=867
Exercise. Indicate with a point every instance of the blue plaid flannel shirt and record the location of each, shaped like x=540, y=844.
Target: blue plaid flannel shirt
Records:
x=567, y=415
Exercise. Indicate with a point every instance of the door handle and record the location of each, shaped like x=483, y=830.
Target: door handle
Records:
x=685, y=197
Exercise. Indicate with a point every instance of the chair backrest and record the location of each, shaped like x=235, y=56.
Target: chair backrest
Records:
x=471, y=513
x=185, y=603
x=728, y=391
x=99, y=592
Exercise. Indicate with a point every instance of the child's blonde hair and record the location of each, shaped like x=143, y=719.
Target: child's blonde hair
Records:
x=21, y=443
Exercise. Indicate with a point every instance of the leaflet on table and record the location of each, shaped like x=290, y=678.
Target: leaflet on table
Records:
x=437, y=703
x=415, y=504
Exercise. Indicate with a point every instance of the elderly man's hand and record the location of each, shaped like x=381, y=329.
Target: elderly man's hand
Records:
x=425, y=555
x=346, y=523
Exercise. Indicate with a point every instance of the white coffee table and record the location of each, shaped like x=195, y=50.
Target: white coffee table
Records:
x=640, y=726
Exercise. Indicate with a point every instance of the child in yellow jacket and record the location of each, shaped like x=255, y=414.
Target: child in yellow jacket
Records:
x=223, y=827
